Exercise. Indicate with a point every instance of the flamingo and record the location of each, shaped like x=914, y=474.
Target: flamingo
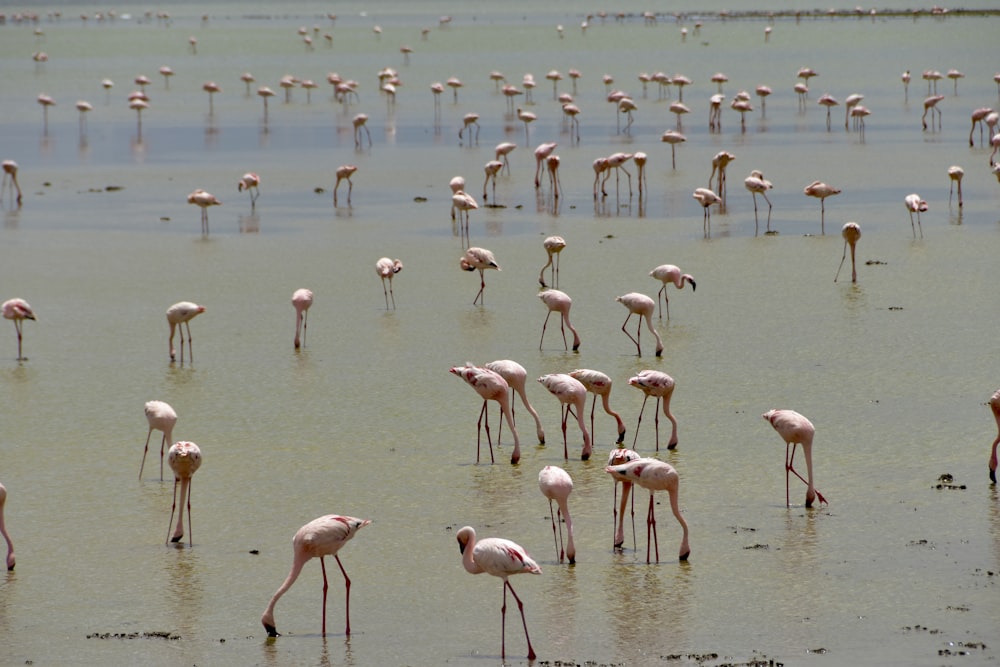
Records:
x=184, y=458
x=660, y=385
x=914, y=204
x=468, y=121
x=302, y=300
x=978, y=116
x=319, y=538
x=491, y=386
x=673, y=138
x=161, y=417
x=84, y=107
x=720, y=161
x=994, y=407
x=454, y=83
x=492, y=168
x=360, y=122
x=463, y=202
x=762, y=92
x=573, y=395
x=457, y=184
x=516, y=377
x=46, y=101
x=542, y=151
x=502, y=150
x=264, y=93
x=756, y=183
x=641, y=305
x=599, y=384
x=668, y=273
x=17, y=310
x=905, y=78
x=617, y=162
x=203, y=200
x=553, y=248
x=829, y=101
x=851, y=232
x=802, y=90
x=211, y=88
x=850, y=103
x=639, y=158
x=501, y=558
x=552, y=166
x=478, y=259
x=556, y=484
x=654, y=475
x=179, y=316
x=618, y=456
x=930, y=104
x=3, y=529
x=387, y=268
x=10, y=180
x=706, y=198
x=821, y=191
x=955, y=173
x=601, y=168
x=557, y=301
x=715, y=111
x=572, y=111
x=527, y=118
x=626, y=106
x=344, y=173
x=794, y=429
x=247, y=78
x=251, y=183
x=859, y=113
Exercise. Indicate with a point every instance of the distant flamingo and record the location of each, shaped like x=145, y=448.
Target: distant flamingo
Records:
x=641, y=305
x=554, y=246
x=542, y=151
x=457, y=184
x=560, y=302
x=795, y=429
x=667, y=274
x=829, y=101
x=905, y=78
x=673, y=138
x=720, y=161
x=527, y=118
x=387, y=268
x=556, y=484
x=3, y=530
x=850, y=103
x=821, y=191
x=302, y=300
x=851, y=233
x=179, y=316
x=517, y=377
x=490, y=386
x=706, y=198
x=552, y=167
x=618, y=456
x=502, y=150
x=994, y=407
x=655, y=475
x=978, y=116
x=17, y=310
x=360, y=122
x=617, y=162
x=478, y=259
x=955, y=173
x=501, y=558
x=914, y=204
x=317, y=539
x=203, y=200
x=211, y=88
x=10, y=180
x=46, y=101
x=161, y=417
x=264, y=93
x=84, y=108
x=468, y=121
x=930, y=104
x=251, y=183
x=344, y=173
x=660, y=385
x=757, y=184
x=639, y=158
x=573, y=397
x=492, y=168
x=454, y=83
x=184, y=458
x=463, y=202
x=599, y=384
x=601, y=169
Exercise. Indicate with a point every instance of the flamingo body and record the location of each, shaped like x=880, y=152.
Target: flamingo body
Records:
x=179, y=316
x=573, y=396
x=641, y=305
x=795, y=429
x=557, y=301
x=302, y=300
x=17, y=310
x=161, y=417
x=556, y=485
x=490, y=386
x=654, y=475
x=387, y=268
x=184, y=458
x=667, y=274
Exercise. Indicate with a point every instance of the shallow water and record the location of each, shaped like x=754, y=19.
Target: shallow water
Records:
x=366, y=420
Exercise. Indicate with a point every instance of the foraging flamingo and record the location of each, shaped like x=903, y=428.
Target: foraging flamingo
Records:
x=655, y=475
x=184, y=458
x=161, y=417
x=667, y=274
x=599, y=384
x=491, y=386
x=557, y=301
x=641, y=305
x=302, y=300
x=572, y=396
x=660, y=385
x=795, y=429
x=556, y=485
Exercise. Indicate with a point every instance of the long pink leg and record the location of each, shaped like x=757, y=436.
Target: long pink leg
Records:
x=565, y=447
x=479, y=431
x=651, y=528
x=636, y=438
x=524, y=622
x=637, y=331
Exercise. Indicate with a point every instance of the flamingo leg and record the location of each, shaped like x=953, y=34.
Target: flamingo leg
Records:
x=479, y=431
x=173, y=507
x=639, y=423
x=558, y=541
x=651, y=529
x=144, y=451
x=545, y=324
x=565, y=417
x=524, y=622
x=482, y=286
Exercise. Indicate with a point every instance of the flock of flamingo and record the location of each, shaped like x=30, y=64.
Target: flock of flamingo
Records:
x=499, y=380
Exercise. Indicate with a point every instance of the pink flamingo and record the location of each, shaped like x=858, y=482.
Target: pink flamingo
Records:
x=552, y=166
x=667, y=274
x=492, y=168
x=930, y=104
x=601, y=168
x=994, y=407
x=203, y=200
x=618, y=456
x=3, y=529
x=617, y=162
x=978, y=115
x=794, y=429
x=478, y=259
x=654, y=475
x=599, y=384
x=757, y=184
x=184, y=458
x=673, y=138
x=457, y=184
x=706, y=198
x=560, y=302
x=344, y=173
x=463, y=202
x=641, y=305
x=553, y=248
x=491, y=386
x=660, y=385
x=251, y=183
x=179, y=316
x=850, y=103
x=302, y=300
x=851, y=233
x=914, y=204
x=517, y=377
x=720, y=161
x=264, y=93
x=161, y=417
x=360, y=122
x=639, y=158
x=501, y=558
x=821, y=191
x=955, y=173
x=317, y=539
x=829, y=101
x=211, y=88
x=556, y=484
x=542, y=151
x=46, y=101
x=502, y=150
x=527, y=118
x=10, y=180
x=573, y=395
x=387, y=268
x=468, y=121
x=17, y=310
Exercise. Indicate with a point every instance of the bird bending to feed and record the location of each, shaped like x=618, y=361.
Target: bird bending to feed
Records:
x=556, y=484
x=914, y=204
x=10, y=180
x=599, y=384
x=501, y=558
x=387, y=268
x=517, y=377
x=302, y=299
x=179, y=316
x=203, y=200
x=668, y=273
x=641, y=305
x=821, y=191
x=553, y=248
x=317, y=539
x=995, y=407
x=572, y=395
x=795, y=429
x=757, y=184
x=161, y=417
x=490, y=386
x=560, y=302
x=251, y=183
x=17, y=310
x=620, y=455
x=542, y=151
x=660, y=385
x=463, y=202
x=955, y=173
x=706, y=198
x=851, y=233
x=3, y=529
x=654, y=475
x=344, y=173
x=478, y=259
x=184, y=458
